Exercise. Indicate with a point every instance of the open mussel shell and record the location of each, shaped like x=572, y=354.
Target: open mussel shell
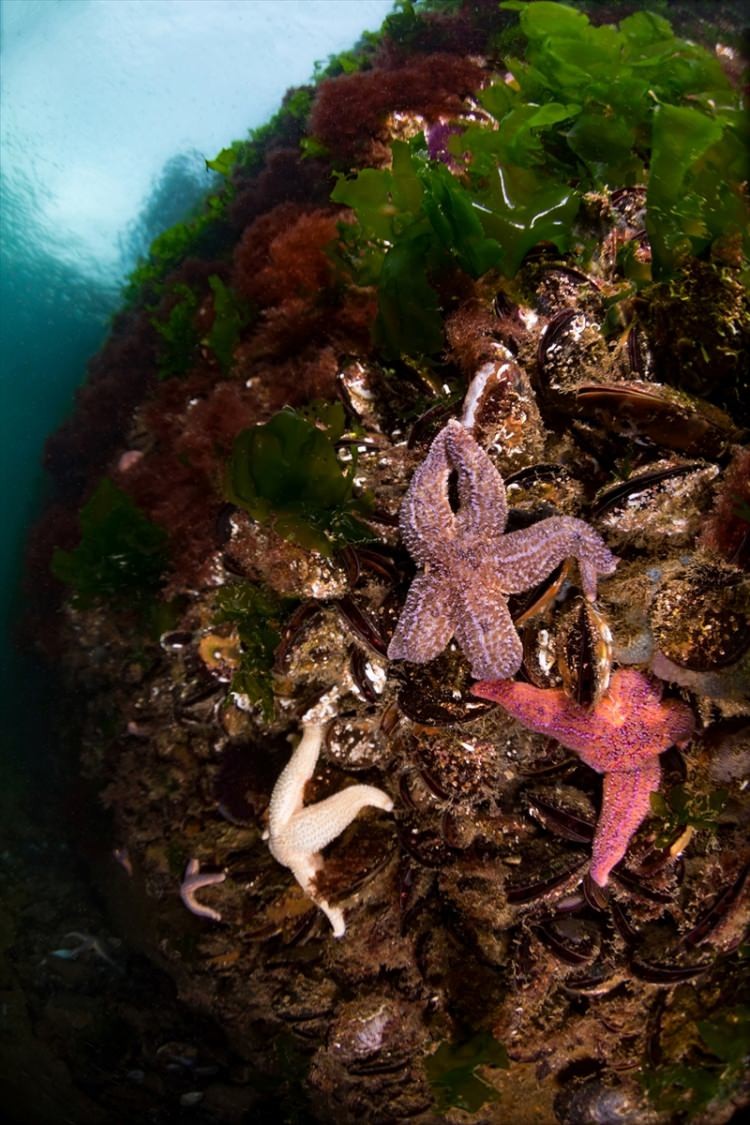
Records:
x=659, y=413
x=358, y=386
x=584, y=652
x=501, y=413
x=700, y=618
x=539, y=653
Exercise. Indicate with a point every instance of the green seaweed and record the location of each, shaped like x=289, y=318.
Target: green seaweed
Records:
x=225, y=161
x=713, y=1075
x=257, y=613
x=451, y=1072
x=286, y=472
x=180, y=339
x=121, y=556
x=178, y=333
x=647, y=106
x=231, y=315
x=588, y=108
x=682, y=807
x=173, y=245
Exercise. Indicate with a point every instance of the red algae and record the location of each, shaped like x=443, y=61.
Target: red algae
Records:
x=727, y=529
x=351, y=109
x=283, y=255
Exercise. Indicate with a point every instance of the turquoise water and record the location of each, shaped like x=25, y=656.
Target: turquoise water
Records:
x=109, y=109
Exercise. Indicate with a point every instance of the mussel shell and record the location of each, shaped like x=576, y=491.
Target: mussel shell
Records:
x=531, y=603
x=539, y=656
x=544, y=483
x=574, y=941
x=701, y=618
x=559, y=286
x=246, y=776
x=544, y=875
x=362, y=624
x=358, y=386
x=662, y=414
x=628, y=492
x=564, y=812
x=584, y=652
x=655, y=507
x=457, y=768
x=501, y=412
x=571, y=349
x=438, y=693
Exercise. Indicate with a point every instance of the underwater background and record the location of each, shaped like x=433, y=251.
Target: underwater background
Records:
x=109, y=112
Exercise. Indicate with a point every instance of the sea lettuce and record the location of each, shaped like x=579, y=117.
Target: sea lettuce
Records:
x=286, y=472
x=584, y=108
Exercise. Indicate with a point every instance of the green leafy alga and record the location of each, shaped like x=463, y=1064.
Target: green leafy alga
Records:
x=178, y=333
x=257, y=614
x=714, y=1074
x=121, y=555
x=586, y=108
x=180, y=338
x=286, y=472
x=451, y=1072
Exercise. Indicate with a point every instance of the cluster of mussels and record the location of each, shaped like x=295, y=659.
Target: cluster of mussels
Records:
x=580, y=520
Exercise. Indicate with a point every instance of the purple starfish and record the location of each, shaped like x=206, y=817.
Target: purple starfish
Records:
x=621, y=736
x=470, y=566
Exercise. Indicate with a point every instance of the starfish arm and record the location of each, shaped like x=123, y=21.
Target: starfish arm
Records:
x=315, y=826
x=427, y=620
x=426, y=518
x=625, y=803
x=485, y=631
x=545, y=710
x=529, y=555
x=192, y=882
x=481, y=492
x=305, y=869
x=629, y=725
x=288, y=791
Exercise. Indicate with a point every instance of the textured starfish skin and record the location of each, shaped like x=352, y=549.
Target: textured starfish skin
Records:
x=469, y=565
x=621, y=736
x=296, y=835
x=192, y=881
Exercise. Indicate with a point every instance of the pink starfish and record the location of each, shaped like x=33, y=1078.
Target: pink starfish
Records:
x=621, y=736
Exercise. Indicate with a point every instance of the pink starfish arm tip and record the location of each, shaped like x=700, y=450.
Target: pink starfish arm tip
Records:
x=625, y=804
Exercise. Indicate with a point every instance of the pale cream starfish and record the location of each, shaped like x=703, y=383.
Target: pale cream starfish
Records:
x=296, y=835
